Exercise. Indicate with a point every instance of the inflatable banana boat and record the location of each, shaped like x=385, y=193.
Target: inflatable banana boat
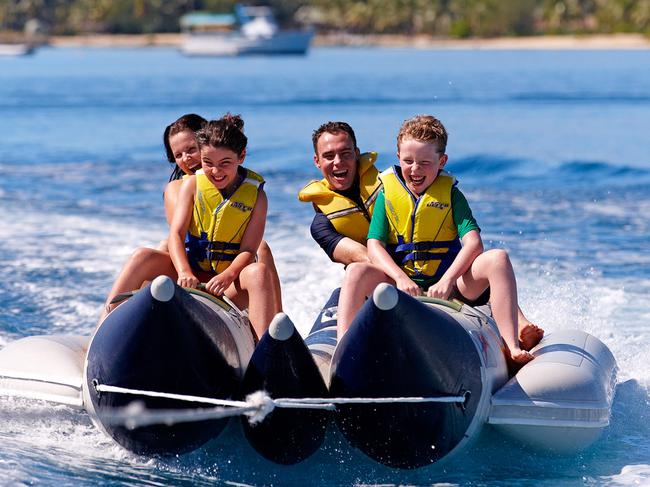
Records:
x=413, y=382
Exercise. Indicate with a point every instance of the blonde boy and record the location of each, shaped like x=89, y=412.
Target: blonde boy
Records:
x=424, y=239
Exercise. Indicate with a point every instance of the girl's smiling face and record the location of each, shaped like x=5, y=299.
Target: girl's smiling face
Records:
x=186, y=151
x=220, y=166
x=420, y=163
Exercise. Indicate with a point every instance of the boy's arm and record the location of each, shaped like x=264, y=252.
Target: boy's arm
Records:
x=380, y=257
x=178, y=230
x=472, y=248
x=247, y=249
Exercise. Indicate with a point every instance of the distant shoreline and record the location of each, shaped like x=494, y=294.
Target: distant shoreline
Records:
x=587, y=42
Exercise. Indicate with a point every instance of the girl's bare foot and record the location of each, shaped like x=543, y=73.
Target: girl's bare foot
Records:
x=529, y=336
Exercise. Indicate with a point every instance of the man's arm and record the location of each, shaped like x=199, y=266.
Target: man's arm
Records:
x=338, y=247
x=348, y=251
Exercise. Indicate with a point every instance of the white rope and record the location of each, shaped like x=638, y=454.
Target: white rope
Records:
x=257, y=406
x=62, y=380
x=168, y=395
x=367, y=400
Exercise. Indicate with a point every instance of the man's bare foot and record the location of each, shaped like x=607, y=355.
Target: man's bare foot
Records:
x=516, y=359
x=521, y=356
x=529, y=336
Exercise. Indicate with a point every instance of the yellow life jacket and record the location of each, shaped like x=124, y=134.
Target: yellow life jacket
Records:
x=422, y=237
x=218, y=225
x=346, y=215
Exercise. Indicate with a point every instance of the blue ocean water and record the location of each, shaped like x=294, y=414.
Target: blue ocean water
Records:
x=550, y=147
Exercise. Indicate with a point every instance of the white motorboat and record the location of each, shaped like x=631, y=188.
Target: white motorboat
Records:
x=252, y=30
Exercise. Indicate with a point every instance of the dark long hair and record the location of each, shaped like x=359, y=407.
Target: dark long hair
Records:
x=189, y=121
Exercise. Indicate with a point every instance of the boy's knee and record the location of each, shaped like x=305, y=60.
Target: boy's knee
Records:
x=498, y=257
x=257, y=273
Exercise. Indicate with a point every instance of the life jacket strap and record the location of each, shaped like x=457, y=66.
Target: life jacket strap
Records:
x=222, y=257
x=445, y=262
x=424, y=246
x=200, y=248
x=215, y=246
x=403, y=252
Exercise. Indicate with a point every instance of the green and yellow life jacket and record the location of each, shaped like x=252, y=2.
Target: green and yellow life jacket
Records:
x=422, y=236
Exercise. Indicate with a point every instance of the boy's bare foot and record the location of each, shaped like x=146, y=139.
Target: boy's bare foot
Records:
x=529, y=336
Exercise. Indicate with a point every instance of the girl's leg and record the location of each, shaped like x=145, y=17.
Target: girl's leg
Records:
x=266, y=257
x=144, y=264
x=361, y=279
x=253, y=289
x=162, y=246
x=493, y=268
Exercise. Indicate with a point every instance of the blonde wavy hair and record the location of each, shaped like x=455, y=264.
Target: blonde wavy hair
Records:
x=424, y=128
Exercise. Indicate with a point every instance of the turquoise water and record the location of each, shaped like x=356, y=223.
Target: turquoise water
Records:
x=551, y=149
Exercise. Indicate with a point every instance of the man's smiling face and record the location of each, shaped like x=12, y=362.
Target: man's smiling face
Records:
x=337, y=159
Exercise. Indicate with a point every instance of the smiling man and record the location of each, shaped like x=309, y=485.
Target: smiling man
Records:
x=345, y=197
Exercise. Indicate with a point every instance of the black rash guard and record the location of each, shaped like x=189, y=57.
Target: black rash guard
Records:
x=325, y=234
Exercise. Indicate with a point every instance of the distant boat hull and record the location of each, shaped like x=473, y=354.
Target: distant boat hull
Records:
x=14, y=50
x=238, y=44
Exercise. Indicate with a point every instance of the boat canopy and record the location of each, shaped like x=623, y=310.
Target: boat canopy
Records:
x=207, y=21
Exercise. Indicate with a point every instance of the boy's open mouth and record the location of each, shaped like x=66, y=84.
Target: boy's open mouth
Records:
x=340, y=174
x=417, y=180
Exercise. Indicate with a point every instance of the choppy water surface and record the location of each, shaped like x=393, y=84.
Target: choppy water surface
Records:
x=551, y=149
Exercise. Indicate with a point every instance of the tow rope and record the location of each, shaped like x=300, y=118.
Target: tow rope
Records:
x=257, y=406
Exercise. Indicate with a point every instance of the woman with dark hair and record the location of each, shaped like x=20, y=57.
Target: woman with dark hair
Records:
x=179, y=139
x=183, y=153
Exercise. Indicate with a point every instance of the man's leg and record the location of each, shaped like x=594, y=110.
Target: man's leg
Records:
x=361, y=279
